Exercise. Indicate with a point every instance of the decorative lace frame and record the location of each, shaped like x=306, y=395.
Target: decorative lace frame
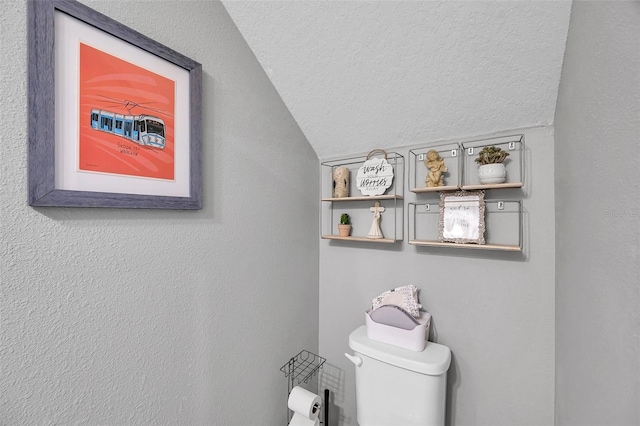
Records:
x=481, y=211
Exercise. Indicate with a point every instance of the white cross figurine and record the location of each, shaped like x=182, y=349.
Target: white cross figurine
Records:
x=375, y=231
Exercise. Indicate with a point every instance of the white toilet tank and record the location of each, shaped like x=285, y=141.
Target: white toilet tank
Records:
x=396, y=386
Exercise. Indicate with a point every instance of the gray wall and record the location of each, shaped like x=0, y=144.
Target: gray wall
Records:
x=495, y=310
x=149, y=317
x=598, y=218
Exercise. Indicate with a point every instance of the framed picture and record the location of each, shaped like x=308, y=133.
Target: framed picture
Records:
x=462, y=217
x=115, y=118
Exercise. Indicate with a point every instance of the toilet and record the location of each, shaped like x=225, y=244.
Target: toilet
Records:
x=397, y=386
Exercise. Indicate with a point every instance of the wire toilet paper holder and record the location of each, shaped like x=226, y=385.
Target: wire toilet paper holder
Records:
x=301, y=368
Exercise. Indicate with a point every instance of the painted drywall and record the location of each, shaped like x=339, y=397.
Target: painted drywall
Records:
x=163, y=317
x=598, y=218
x=494, y=310
x=362, y=74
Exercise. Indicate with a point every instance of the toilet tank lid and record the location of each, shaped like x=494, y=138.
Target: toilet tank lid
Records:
x=434, y=360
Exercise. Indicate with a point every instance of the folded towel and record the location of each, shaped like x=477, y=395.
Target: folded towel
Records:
x=405, y=297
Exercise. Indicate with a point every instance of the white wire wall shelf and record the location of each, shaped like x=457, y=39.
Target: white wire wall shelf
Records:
x=503, y=226
x=461, y=168
x=514, y=164
x=419, y=163
x=358, y=206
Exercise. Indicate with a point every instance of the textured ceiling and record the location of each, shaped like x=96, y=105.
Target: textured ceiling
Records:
x=358, y=75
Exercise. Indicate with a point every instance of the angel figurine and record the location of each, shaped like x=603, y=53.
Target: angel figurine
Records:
x=375, y=231
x=436, y=167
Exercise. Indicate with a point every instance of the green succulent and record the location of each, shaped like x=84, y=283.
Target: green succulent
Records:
x=344, y=219
x=491, y=155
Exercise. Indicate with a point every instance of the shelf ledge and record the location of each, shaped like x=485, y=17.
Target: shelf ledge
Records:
x=493, y=186
x=500, y=247
x=365, y=239
x=365, y=198
x=468, y=187
x=436, y=189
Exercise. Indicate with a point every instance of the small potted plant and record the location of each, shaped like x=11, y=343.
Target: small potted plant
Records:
x=344, y=228
x=491, y=169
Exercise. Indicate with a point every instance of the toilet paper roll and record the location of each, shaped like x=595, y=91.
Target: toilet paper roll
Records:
x=305, y=403
x=300, y=420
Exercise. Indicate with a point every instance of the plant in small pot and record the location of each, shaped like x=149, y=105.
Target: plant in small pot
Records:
x=344, y=228
x=491, y=169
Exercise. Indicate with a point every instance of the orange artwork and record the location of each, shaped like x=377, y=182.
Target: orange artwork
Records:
x=126, y=118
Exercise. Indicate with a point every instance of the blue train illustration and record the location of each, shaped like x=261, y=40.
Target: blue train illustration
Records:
x=145, y=130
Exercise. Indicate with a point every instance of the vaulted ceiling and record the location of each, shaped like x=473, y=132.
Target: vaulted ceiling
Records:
x=358, y=75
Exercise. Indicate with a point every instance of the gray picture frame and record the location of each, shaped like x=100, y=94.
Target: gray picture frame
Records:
x=41, y=112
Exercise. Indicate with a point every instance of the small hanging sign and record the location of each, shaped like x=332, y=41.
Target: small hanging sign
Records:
x=375, y=176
